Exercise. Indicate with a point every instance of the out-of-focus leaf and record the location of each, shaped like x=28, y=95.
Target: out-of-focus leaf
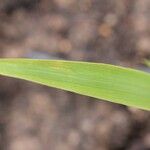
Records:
x=147, y=62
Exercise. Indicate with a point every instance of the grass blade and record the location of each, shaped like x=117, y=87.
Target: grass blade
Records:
x=116, y=84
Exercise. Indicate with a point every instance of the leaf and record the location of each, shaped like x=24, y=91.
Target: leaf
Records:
x=115, y=84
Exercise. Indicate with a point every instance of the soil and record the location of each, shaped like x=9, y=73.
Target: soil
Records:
x=35, y=117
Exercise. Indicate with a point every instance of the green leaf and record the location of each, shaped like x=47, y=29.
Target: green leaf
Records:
x=116, y=84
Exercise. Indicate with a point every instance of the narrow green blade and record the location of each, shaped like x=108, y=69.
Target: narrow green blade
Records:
x=116, y=84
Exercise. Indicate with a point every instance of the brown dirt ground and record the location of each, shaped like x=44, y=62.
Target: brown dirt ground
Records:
x=35, y=117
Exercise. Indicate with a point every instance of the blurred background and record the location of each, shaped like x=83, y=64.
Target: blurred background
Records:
x=35, y=117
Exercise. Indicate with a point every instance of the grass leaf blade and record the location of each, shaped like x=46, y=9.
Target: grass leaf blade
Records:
x=116, y=84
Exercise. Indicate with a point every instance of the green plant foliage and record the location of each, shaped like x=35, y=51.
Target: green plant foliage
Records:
x=116, y=84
